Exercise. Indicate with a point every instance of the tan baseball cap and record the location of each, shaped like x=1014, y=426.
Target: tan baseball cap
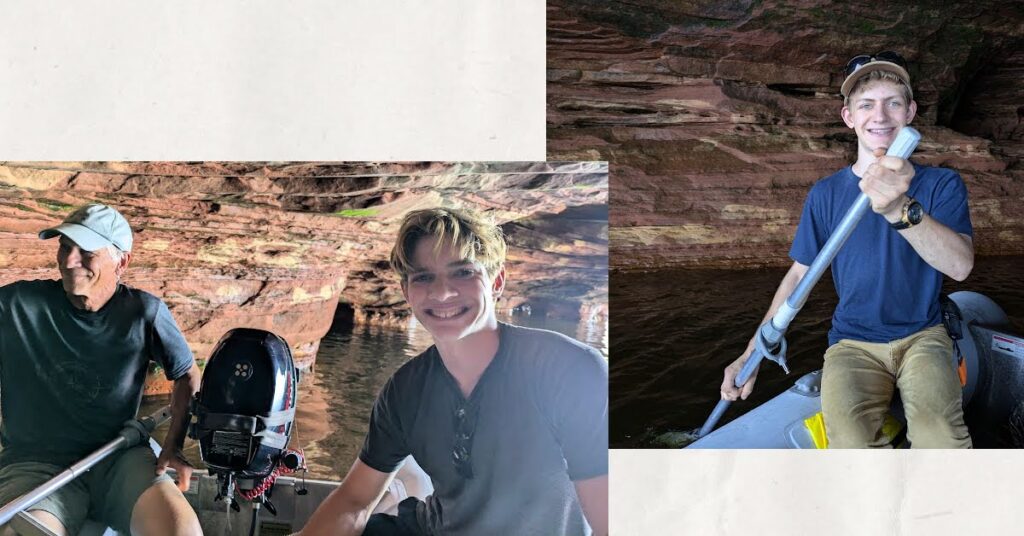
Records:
x=863, y=65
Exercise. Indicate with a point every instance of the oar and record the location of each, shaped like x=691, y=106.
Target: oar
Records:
x=135, y=432
x=771, y=341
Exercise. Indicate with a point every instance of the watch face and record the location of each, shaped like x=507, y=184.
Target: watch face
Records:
x=914, y=213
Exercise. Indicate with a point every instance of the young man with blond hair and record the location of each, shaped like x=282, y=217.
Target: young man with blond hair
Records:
x=73, y=358
x=886, y=332
x=510, y=423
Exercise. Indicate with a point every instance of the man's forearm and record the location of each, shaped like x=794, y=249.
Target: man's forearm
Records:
x=347, y=523
x=941, y=247
x=593, y=496
x=347, y=509
x=184, y=389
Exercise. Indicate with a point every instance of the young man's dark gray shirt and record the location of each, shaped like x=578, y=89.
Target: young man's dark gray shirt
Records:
x=69, y=378
x=541, y=422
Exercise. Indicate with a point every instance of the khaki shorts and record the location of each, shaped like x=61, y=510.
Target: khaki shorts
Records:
x=106, y=493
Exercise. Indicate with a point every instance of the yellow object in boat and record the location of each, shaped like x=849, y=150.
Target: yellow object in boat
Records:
x=816, y=426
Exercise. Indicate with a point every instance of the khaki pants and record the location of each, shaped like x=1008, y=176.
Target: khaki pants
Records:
x=858, y=383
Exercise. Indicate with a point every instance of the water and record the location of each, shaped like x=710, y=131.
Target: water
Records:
x=352, y=365
x=673, y=332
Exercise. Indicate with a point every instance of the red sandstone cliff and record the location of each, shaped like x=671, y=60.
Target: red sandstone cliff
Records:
x=277, y=246
x=716, y=117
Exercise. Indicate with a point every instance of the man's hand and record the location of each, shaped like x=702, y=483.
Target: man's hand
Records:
x=173, y=458
x=729, y=389
x=886, y=183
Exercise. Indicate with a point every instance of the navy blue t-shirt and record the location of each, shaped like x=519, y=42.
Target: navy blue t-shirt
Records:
x=70, y=378
x=886, y=290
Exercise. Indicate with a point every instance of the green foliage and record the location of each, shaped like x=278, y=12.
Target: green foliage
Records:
x=55, y=205
x=357, y=213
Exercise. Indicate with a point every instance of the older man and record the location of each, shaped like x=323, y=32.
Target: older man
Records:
x=73, y=358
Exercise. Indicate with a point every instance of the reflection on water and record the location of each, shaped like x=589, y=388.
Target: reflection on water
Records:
x=352, y=365
x=674, y=331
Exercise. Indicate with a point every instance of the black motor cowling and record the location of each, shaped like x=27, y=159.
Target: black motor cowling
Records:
x=245, y=407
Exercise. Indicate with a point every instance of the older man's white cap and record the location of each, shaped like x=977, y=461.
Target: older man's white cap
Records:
x=94, y=227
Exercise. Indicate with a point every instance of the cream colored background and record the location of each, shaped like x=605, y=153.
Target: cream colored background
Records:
x=816, y=493
x=272, y=80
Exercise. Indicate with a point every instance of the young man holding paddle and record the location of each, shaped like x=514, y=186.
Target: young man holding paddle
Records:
x=887, y=330
x=510, y=423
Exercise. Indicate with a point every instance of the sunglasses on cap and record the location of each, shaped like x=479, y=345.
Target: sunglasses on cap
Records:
x=859, y=61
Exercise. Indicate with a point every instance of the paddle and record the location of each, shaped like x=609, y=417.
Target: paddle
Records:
x=135, y=432
x=771, y=341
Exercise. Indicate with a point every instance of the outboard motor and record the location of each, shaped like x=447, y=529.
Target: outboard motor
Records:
x=244, y=413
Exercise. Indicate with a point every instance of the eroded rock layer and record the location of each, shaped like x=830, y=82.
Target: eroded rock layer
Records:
x=716, y=117
x=277, y=246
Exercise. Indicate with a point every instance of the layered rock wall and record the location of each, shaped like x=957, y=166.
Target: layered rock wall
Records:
x=716, y=117
x=277, y=246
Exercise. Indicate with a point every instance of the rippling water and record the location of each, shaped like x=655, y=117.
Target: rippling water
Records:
x=672, y=333
x=352, y=365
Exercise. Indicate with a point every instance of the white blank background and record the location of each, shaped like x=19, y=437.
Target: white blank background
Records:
x=834, y=493
x=267, y=80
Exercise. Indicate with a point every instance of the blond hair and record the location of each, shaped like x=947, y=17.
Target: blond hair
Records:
x=887, y=76
x=471, y=236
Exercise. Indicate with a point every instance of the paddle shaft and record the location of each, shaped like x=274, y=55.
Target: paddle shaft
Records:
x=772, y=332
x=134, y=433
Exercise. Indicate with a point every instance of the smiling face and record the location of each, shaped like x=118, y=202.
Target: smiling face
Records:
x=89, y=277
x=452, y=297
x=876, y=112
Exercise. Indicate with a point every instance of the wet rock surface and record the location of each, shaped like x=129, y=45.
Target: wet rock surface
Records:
x=717, y=118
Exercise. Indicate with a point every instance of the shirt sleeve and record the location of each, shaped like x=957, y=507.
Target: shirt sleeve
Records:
x=949, y=205
x=384, y=447
x=169, y=347
x=811, y=232
x=581, y=413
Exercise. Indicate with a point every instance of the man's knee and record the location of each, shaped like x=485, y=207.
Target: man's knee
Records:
x=937, y=425
x=45, y=518
x=852, y=423
x=162, y=509
x=847, y=433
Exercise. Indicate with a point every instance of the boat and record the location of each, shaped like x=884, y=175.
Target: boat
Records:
x=992, y=393
x=242, y=419
x=294, y=498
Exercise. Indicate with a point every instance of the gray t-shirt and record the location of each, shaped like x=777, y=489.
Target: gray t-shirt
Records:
x=69, y=378
x=541, y=414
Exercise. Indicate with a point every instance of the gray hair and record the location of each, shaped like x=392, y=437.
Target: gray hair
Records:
x=115, y=253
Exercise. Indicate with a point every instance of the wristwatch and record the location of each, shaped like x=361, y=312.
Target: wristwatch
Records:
x=913, y=213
